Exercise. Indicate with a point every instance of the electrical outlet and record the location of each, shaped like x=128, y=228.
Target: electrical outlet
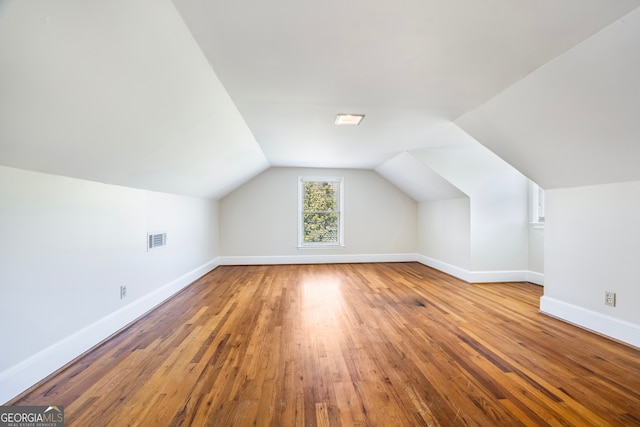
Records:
x=123, y=291
x=610, y=298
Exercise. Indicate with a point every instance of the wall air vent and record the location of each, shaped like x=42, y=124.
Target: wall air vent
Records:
x=156, y=240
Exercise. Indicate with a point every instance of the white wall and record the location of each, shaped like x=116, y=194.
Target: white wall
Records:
x=260, y=219
x=536, y=254
x=444, y=235
x=592, y=245
x=499, y=208
x=536, y=237
x=499, y=228
x=66, y=247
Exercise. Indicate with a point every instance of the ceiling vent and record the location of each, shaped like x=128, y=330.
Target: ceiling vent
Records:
x=156, y=240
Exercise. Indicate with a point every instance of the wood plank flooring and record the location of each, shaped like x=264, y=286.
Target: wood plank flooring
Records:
x=348, y=345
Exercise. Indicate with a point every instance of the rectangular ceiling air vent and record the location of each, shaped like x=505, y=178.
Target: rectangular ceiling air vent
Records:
x=156, y=240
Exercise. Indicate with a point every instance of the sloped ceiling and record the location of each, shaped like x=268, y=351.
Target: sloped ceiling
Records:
x=405, y=171
x=196, y=97
x=290, y=66
x=472, y=168
x=117, y=92
x=576, y=120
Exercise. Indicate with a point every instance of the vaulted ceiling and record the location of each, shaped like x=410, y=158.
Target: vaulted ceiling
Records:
x=196, y=97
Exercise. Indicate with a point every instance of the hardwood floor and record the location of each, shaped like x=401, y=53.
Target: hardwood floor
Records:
x=353, y=345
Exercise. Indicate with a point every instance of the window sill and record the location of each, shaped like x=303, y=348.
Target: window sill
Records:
x=320, y=246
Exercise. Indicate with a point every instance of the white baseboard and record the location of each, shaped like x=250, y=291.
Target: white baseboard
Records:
x=482, y=276
x=25, y=374
x=612, y=327
x=499, y=276
x=453, y=270
x=535, y=277
x=316, y=259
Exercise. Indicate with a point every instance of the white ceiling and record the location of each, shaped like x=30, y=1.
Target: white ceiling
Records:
x=576, y=120
x=432, y=186
x=118, y=92
x=198, y=100
x=290, y=66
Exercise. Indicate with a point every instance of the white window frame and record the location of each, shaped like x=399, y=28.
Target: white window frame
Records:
x=320, y=245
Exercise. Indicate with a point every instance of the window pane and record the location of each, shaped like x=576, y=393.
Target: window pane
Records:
x=320, y=227
x=320, y=196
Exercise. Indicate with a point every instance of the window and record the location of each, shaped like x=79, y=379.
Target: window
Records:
x=320, y=218
x=537, y=204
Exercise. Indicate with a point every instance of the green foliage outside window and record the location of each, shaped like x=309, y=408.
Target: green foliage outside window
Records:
x=320, y=216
